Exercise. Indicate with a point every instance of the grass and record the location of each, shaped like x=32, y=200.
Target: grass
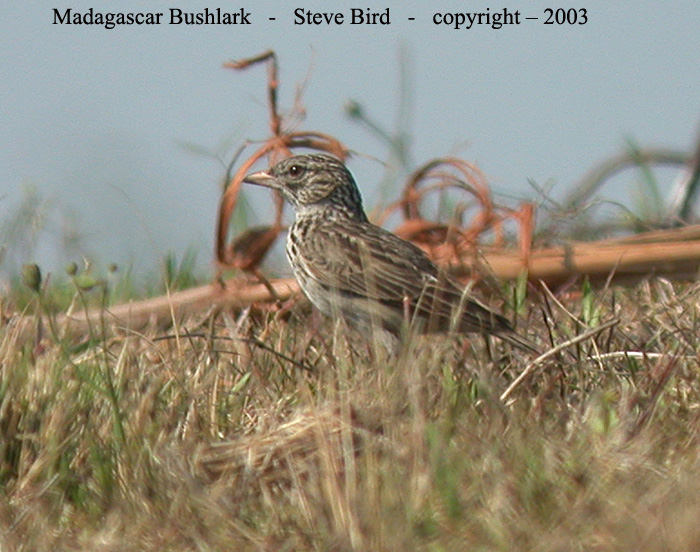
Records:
x=257, y=431
x=194, y=437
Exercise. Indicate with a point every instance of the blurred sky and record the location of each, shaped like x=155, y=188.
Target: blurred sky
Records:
x=110, y=125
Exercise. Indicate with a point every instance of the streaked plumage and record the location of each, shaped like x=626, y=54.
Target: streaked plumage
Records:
x=349, y=267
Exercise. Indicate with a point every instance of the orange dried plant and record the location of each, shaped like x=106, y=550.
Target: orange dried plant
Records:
x=453, y=241
x=444, y=242
x=247, y=251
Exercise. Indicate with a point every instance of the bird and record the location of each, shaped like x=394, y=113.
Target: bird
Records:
x=352, y=269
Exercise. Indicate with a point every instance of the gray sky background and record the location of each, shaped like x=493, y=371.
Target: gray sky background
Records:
x=98, y=120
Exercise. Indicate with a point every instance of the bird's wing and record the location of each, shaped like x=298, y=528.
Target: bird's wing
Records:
x=363, y=260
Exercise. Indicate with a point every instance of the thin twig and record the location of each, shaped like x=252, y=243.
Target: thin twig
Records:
x=540, y=359
x=646, y=414
x=640, y=355
x=249, y=340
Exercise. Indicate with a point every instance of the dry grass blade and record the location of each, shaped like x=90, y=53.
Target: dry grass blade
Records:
x=143, y=442
x=664, y=375
x=540, y=359
x=249, y=340
x=598, y=175
x=269, y=457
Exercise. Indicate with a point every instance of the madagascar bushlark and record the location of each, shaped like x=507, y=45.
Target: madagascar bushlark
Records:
x=350, y=268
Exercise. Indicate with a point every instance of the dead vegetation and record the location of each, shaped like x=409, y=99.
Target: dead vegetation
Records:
x=480, y=240
x=204, y=421
x=202, y=439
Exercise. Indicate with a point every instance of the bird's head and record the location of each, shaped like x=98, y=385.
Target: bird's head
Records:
x=313, y=182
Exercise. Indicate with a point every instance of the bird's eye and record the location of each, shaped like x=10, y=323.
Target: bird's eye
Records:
x=296, y=170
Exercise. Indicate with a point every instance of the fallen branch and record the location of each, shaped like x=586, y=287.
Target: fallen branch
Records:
x=673, y=253
x=233, y=293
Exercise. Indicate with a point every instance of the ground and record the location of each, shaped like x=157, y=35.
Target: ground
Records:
x=251, y=431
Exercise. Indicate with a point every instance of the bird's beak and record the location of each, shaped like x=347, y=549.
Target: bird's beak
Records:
x=261, y=178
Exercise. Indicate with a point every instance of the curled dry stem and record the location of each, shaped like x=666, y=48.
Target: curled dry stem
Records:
x=452, y=241
x=248, y=250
